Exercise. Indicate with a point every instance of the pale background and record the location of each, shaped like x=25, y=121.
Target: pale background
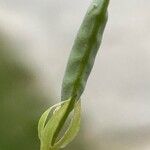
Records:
x=116, y=101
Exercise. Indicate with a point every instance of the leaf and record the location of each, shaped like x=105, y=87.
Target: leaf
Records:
x=46, y=130
x=73, y=128
x=42, y=122
x=43, y=119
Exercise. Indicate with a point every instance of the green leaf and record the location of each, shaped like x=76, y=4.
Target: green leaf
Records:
x=46, y=130
x=43, y=119
x=73, y=129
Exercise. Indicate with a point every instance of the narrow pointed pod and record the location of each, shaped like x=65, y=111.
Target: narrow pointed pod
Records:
x=84, y=50
x=82, y=56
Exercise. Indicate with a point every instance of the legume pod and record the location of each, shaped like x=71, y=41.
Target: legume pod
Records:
x=79, y=66
x=84, y=50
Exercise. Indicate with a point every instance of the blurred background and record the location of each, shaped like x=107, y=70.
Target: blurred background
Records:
x=35, y=41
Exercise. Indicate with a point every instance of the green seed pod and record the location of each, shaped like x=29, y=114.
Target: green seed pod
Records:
x=79, y=66
x=84, y=50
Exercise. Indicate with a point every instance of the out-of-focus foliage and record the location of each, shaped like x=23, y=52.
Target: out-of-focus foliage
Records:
x=21, y=103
